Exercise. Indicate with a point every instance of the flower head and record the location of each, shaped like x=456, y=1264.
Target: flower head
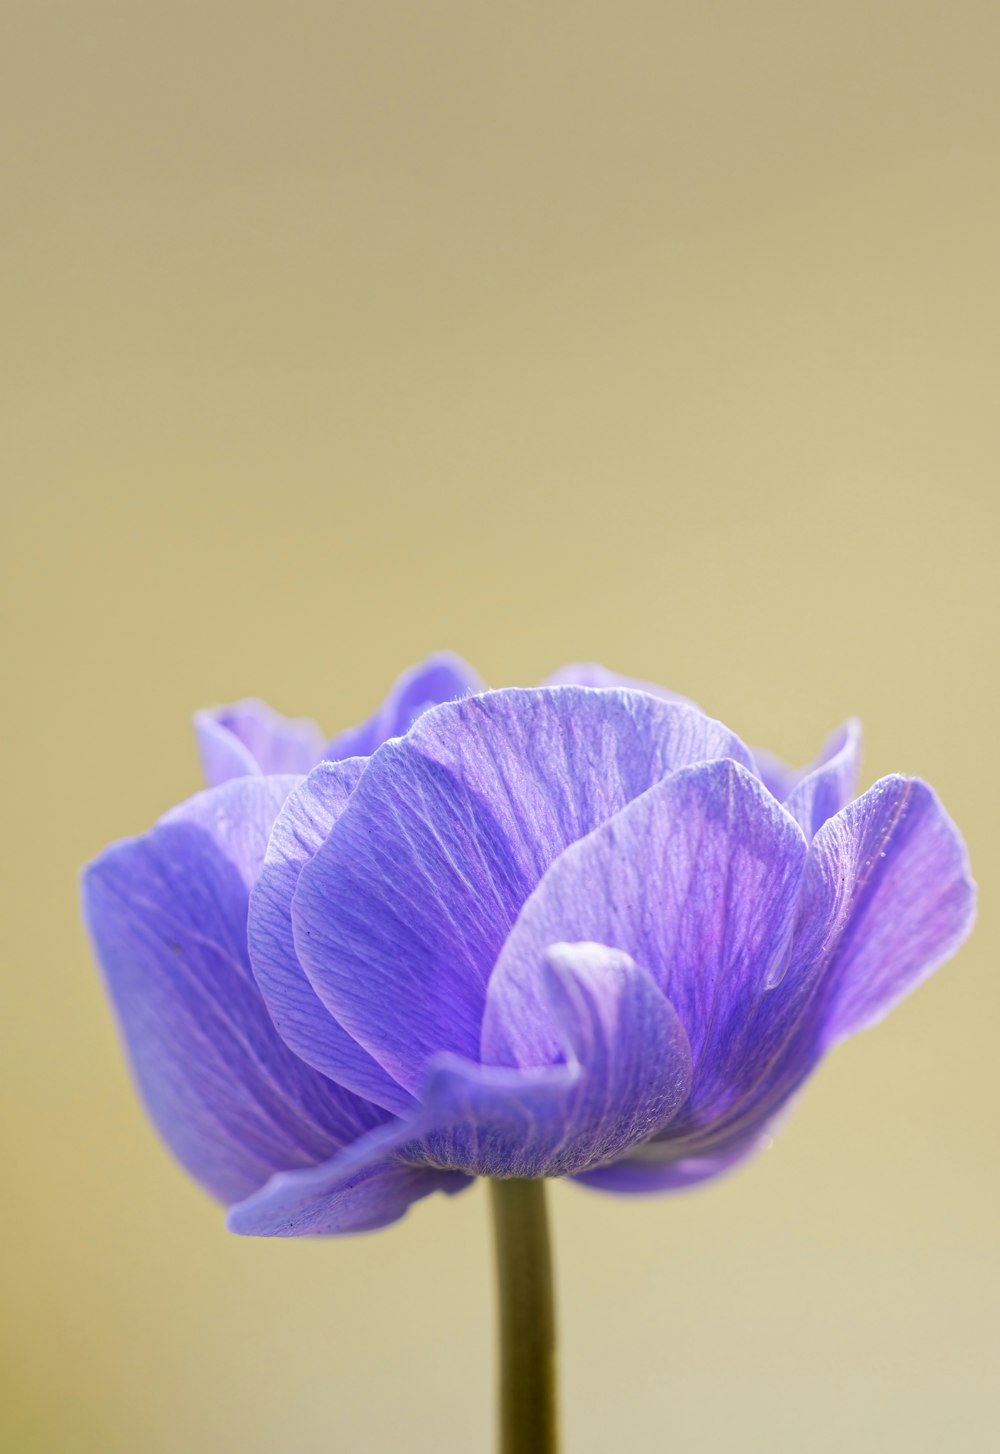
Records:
x=576, y=930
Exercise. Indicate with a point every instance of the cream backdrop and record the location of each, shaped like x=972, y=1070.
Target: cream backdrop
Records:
x=660, y=334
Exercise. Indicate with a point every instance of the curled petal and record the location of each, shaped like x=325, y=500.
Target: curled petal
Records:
x=625, y=1072
x=167, y=916
x=400, y=915
x=698, y=881
x=251, y=738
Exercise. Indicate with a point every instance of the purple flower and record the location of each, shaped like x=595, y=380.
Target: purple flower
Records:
x=575, y=930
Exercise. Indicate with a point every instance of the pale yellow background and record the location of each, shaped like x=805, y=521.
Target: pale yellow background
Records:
x=664, y=334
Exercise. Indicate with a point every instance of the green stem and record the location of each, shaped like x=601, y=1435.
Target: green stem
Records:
x=527, y=1319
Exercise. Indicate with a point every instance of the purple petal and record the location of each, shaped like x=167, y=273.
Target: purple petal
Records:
x=890, y=876
x=167, y=915
x=777, y=776
x=302, y=1020
x=830, y=784
x=625, y=1071
x=657, y=1167
x=886, y=897
x=362, y=1189
x=698, y=881
x=400, y=916
x=591, y=674
x=441, y=678
x=622, y=1072
x=832, y=775
x=251, y=738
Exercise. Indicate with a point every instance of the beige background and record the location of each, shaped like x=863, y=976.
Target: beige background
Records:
x=664, y=334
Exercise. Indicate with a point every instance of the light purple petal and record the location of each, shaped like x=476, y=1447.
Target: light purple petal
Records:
x=698, y=881
x=832, y=777
x=890, y=877
x=777, y=776
x=167, y=915
x=625, y=1070
x=251, y=738
x=364, y=1188
x=303, y=1021
x=657, y=1166
x=591, y=674
x=400, y=916
x=621, y=1071
x=830, y=784
x=443, y=677
x=886, y=897
x=869, y=928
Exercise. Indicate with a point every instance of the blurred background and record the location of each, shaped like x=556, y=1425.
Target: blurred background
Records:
x=659, y=334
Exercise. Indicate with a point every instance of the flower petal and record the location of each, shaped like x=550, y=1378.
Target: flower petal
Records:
x=890, y=877
x=443, y=677
x=698, y=881
x=362, y=1189
x=841, y=754
x=250, y=737
x=830, y=784
x=400, y=916
x=886, y=897
x=657, y=1167
x=626, y=1069
x=302, y=1020
x=167, y=915
x=623, y=1070
x=776, y=775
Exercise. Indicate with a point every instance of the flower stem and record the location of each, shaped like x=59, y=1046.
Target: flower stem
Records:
x=527, y=1318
